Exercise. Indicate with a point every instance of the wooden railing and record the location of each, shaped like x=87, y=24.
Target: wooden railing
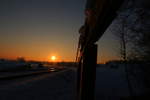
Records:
x=99, y=15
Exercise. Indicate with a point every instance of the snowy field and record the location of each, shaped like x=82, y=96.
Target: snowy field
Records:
x=111, y=84
x=57, y=86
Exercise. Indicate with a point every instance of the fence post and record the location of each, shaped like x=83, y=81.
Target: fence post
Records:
x=87, y=74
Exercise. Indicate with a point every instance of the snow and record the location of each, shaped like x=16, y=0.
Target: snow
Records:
x=60, y=86
x=111, y=84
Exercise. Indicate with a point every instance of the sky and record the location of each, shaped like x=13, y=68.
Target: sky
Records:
x=39, y=29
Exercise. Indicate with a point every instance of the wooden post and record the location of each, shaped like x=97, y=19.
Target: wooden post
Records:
x=87, y=74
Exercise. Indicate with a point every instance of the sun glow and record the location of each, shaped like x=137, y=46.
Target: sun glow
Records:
x=53, y=58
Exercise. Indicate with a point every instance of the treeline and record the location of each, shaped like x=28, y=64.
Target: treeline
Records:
x=132, y=29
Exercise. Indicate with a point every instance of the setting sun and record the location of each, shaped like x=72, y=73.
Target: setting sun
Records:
x=53, y=58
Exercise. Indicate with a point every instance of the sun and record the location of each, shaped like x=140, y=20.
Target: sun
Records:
x=53, y=58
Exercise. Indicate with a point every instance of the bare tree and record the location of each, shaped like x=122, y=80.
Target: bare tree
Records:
x=120, y=31
x=132, y=28
x=140, y=32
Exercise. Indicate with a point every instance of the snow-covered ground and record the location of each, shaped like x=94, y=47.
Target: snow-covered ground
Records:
x=57, y=86
x=111, y=84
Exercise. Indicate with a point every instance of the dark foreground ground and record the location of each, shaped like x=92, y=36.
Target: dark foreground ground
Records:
x=53, y=86
x=111, y=84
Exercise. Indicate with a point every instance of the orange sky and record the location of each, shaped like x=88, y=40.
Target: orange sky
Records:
x=39, y=30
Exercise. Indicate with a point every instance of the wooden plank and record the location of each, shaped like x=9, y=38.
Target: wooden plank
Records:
x=99, y=17
x=88, y=74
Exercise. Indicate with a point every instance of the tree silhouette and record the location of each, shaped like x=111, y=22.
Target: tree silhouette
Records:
x=132, y=28
x=120, y=31
x=21, y=59
x=141, y=34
